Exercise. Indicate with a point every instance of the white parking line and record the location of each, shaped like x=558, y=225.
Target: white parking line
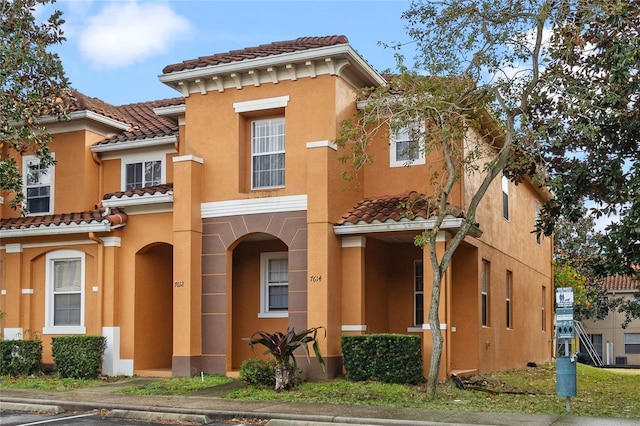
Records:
x=57, y=420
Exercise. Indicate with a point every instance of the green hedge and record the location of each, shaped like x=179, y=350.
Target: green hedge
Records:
x=78, y=357
x=20, y=357
x=389, y=358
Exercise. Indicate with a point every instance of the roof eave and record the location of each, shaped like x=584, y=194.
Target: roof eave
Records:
x=139, y=143
x=449, y=224
x=88, y=115
x=138, y=200
x=371, y=75
x=60, y=229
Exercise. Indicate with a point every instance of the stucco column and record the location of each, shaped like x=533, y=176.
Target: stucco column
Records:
x=324, y=301
x=187, y=266
x=13, y=292
x=353, y=285
x=109, y=286
x=443, y=309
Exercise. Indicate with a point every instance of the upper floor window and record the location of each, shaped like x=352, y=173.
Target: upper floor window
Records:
x=407, y=146
x=538, y=235
x=38, y=185
x=64, y=309
x=505, y=197
x=143, y=174
x=274, y=285
x=267, y=153
x=141, y=170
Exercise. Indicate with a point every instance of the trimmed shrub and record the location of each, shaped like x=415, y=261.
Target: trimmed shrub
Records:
x=357, y=351
x=262, y=372
x=78, y=357
x=258, y=372
x=20, y=357
x=389, y=358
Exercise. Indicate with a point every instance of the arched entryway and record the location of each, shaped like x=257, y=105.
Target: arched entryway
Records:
x=153, y=326
x=260, y=292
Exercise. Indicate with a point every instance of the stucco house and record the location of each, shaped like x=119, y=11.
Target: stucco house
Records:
x=615, y=345
x=178, y=227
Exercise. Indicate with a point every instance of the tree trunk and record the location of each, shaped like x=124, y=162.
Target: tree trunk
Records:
x=436, y=336
x=282, y=377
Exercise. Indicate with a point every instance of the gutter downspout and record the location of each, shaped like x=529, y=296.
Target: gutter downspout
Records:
x=96, y=159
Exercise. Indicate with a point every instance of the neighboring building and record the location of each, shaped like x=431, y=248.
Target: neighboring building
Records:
x=177, y=228
x=616, y=346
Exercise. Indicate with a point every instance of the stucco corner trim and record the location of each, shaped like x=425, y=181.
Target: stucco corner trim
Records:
x=354, y=327
x=322, y=144
x=288, y=203
x=348, y=242
x=428, y=327
x=261, y=104
x=111, y=241
x=13, y=248
x=183, y=158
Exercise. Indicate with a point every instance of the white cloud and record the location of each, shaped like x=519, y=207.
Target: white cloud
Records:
x=123, y=33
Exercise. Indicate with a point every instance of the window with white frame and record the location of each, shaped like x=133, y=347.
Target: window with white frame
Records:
x=543, y=308
x=505, y=197
x=64, y=310
x=538, y=209
x=407, y=146
x=632, y=343
x=267, y=153
x=274, y=285
x=142, y=174
x=38, y=185
x=508, y=307
x=484, y=292
x=418, y=292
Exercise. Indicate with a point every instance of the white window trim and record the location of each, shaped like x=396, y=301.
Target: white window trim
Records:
x=393, y=162
x=51, y=170
x=49, y=328
x=156, y=155
x=264, y=301
x=283, y=152
x=505, y=193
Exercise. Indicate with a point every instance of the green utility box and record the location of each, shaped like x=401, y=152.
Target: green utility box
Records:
x=566, y=373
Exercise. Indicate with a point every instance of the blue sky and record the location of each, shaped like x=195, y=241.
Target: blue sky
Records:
x=116, y=49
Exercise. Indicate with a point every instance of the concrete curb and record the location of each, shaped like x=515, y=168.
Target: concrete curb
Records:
x=30, y=407
x=153, y=416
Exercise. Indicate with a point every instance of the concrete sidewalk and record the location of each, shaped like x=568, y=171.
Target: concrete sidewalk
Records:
x=201, y=406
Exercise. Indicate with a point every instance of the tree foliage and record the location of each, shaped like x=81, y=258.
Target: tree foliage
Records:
x=588, y=118
x=458, y=42
x=32, y=86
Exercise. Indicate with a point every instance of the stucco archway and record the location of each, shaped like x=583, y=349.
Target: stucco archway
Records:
x=153, y=319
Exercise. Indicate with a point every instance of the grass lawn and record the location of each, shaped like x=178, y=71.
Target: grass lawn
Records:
x=601, y=392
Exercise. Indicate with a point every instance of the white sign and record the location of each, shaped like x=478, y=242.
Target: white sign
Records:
x=564, y=297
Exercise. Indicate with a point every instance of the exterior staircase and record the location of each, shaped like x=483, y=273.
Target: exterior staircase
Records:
x=585, y=342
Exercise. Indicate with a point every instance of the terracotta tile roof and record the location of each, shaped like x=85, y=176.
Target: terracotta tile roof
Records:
x=264, y=50
x=145, y=124
x=393, y=208
x=115, y=217
x=621, y=283
x=149, y=191
x=86, y=103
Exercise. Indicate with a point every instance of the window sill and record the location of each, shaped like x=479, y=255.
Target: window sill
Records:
x=64, y=330
x=273, y=315
x=414, y=330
